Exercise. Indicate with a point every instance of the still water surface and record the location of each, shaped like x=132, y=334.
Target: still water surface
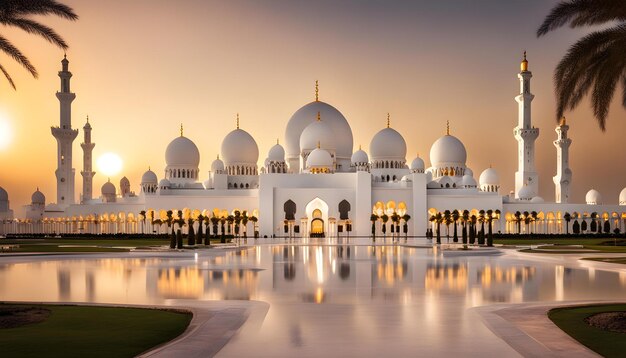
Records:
x=327, y=299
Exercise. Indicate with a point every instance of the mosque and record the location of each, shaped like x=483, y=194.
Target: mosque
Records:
x=314, y=185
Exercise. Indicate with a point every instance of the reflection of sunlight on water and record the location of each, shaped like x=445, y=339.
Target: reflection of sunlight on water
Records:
x=443, y=276
x=559, y=276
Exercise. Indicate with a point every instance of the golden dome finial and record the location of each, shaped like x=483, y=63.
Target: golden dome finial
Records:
x=388, y=120
x=218, y=157
x=524, y=64
x=181, y=129
x=87, y=118
x=237, y=120
x=318, y=144
x=563, y=121
x=317, y=91
x=277, y=141
x=447, y=127
x=359, y=147
x=319, y=116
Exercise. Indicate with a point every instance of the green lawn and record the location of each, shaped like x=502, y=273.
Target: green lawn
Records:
x=81, y=331
x=592, y=245
x=571, y=320
x=547, y=240
x=612, y=260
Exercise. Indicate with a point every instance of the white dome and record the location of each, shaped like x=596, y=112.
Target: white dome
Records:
x=537, y=199
x=182, y=152
x=164, y=183
x=622, y=197
x=447, y=150
x=318, y=132
x=38, y=198
x=124, y=181
x=489, y=176
x=417, y=164
x=446, y=182
x=4, y=196
x=108, y=189
x=525, y=193
x=217, y=165
x=239, y=147
x=149, y=177
x=593, y=197
x=319, y=158
x=469, y=172
x=307, y=115
x=388, y=144
x=468, y=181
x=359, y=157
x=276, y=153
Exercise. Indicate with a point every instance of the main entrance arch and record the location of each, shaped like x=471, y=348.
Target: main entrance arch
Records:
x=317, y=217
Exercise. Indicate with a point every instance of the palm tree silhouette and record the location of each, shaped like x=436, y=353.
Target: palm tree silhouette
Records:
x=596, y=62
x=16, y=13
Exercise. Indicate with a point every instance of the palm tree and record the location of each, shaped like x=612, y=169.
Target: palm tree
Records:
x=191, y=235
x=406, y=218
x=169, y=220
x=200, y=233
x=534, y=216
x=373, y=219
x=465, y=217
x=567, y=218
x=481, y=233
x=447, y=220
x=16, y=13
x=490, y=216
x=437, y=219
x=472, y=231
x=517, y=219
x=384, y=218
x=254, y=220
x=595, y=62
x=142, y=215
x=455, y=219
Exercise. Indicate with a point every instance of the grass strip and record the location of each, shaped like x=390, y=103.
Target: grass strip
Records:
x=572, y=321
x=87, y=331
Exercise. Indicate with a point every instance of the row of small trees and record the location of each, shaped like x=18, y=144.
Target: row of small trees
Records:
x=395, y=219
x=470, y=233
x=216, y=226
x=597, y=224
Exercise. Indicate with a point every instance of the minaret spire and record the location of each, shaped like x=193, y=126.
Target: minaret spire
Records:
x=317, y=91
x=447, y=127
x=388, y=120
x=237, y=120
x=65, y=135
x=525, y=134
x=563, y=177
x=87, y=171
x=181, y=129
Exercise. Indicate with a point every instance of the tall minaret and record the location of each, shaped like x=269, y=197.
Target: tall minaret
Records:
x=87, y=172
x=525, y=134
x=65, y=136
x=563, y=177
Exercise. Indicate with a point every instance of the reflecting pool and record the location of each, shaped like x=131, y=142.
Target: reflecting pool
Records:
x=326, y=299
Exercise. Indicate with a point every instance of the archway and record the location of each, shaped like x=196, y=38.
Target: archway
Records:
x=317, y=215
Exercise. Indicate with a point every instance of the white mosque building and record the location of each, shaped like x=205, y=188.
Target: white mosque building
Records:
x=314, y=185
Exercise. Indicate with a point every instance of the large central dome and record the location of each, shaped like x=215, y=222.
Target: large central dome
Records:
x=329, y=115
x=239, y=147
x=182, y=152
x=447, y=151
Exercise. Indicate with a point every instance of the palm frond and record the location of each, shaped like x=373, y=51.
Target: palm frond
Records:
x=37, y=7
x=33, y=27
x=6, y=74
x=17, y=55
x=581, y=13
x=624, y=90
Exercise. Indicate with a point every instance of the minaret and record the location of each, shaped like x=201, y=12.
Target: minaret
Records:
x=65, y=136
x=87, y=172
x=563, y=177
x=526, y=135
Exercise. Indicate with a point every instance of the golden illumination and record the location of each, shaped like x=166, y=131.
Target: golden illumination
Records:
x=524, y=64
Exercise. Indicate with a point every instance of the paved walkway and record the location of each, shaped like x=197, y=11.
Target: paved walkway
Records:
x=527, y=328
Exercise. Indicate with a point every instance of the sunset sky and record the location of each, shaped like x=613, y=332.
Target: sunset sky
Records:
x=143, y=67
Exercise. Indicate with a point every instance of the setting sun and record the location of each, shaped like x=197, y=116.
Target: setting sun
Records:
x=6, y=133
x=110, y=164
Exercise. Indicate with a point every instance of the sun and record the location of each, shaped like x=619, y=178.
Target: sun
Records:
x=6, y=133
x=109, y=164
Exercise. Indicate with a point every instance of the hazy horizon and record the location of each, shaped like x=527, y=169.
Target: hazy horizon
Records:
x=142, y=68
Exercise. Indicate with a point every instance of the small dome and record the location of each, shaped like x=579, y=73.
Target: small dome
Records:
x=319, y=158
x=124, y=181
x=4, y=196
x=164, y=183
x=537, y=199
x=622, y=197
x=489, y=176
x=38, y=198
x=359, y=157
x=446, y=151
x=217, y=165
x=417, y=164
x=318, y=132
x=469, y=172
x=446, y=182
x=108, y=188
x=405, y=179
x=182, y=152
x=238, y=147
x=468, y=181
x=307, y=115
x=276, y=153
x=593, y=197
x=149, y=177
x=388, y=144
x=525, y=193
